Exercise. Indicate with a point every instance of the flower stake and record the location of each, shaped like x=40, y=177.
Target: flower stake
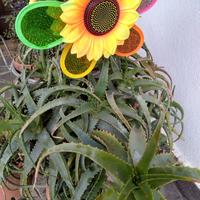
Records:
x=92, y=29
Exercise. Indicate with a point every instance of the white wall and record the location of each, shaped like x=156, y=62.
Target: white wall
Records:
x=172, y=32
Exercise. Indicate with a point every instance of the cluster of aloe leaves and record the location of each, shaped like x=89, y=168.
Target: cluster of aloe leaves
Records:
x=107, y=136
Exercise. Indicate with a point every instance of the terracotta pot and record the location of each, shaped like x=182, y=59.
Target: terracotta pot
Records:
x=19, y=65
x=11, y=191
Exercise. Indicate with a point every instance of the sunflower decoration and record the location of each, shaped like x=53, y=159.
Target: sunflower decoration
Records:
x=97, y=27
x=92, y=29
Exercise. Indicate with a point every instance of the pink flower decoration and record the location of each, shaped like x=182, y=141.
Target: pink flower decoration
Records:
x=146, y=5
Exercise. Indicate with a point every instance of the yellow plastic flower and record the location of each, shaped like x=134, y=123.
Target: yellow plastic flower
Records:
x=97, y=27
x=32, y=1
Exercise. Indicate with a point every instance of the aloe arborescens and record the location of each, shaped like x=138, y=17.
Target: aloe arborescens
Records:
x=107, y=136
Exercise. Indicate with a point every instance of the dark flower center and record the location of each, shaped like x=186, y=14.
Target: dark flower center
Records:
x=101, y=16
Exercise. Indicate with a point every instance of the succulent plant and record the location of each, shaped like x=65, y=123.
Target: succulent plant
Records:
x=107, y=136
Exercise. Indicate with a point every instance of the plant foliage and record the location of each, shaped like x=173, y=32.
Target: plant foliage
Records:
x=107, y=136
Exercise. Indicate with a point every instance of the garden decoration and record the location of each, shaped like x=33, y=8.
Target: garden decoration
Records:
x=146, y=5
x=91, y=29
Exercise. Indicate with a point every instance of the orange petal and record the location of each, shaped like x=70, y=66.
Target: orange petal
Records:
x=132, y=44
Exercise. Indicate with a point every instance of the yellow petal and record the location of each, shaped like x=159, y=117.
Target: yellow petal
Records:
x=98, y=48
x=95, y=49
x=82, y=3
x=32, y=1
x=129, y=4
x=106, y=54
x=121, y=31
x=81, y=47
x=110, y=43
x=128, y=17
x=71, y=33
x=72, y=15
x=120, y=42
x=69, y=4
x=90, y=53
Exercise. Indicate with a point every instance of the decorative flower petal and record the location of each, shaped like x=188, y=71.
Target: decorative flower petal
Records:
x=121, y=32
x=72, y=15
x=91, y=50
x=110, y=44
x=82, y=46
x=98, y=47
x=72, y=33
x=81, y=3
x=129, y=4
x=120, y=42
x=129, y=17
x=132, y=44
x=146, y=5
x=106, y=54
x=97, y=27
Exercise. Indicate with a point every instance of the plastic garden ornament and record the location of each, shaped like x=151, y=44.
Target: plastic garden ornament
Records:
x=146, y=5
x=91, y=29
x=38, y=25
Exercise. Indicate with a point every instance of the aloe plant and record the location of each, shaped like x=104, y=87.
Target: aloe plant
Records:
x=107, y=136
